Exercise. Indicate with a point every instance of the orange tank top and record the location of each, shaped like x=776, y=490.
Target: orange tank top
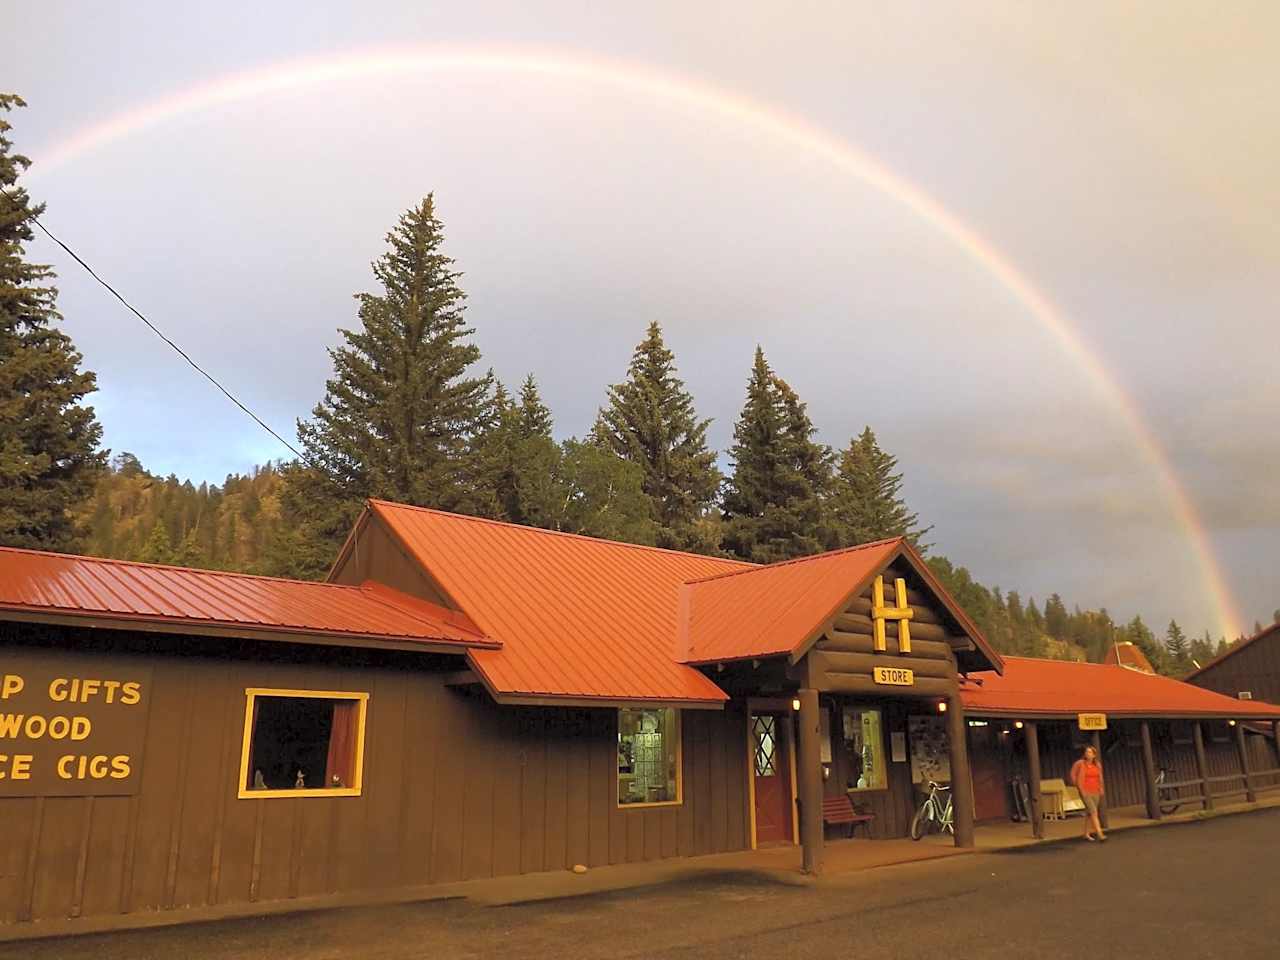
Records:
x=1091, y=778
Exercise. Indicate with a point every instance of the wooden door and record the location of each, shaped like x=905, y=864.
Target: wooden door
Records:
x=987, y=766
x=771, y=768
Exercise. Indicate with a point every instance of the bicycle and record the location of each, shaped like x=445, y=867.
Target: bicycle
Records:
x=1166, y=807
x=935, y=811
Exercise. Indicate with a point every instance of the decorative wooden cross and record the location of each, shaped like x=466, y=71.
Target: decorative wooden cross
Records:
x=880, y=613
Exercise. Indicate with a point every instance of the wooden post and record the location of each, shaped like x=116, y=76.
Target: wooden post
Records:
x=1243, y=751
x=1275, y=740
x=1202, y=765
x=810, y=786
x=1149, y=772
x=1033, y=774
x=1102, y=802
x=961, y=776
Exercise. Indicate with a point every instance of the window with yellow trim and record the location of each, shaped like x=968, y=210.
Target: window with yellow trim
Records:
x=648, y=756
x=864, y=746
x=302, y=743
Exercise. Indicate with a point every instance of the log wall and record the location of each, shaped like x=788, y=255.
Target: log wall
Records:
x=455, y=788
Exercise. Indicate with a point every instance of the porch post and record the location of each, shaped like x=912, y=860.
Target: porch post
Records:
x=1033, y=774
x=810, y=786
x=1202, y=765
x=1275, y=739
x=961, y=776
x=1149, y=772
x=1102, y=804
x=1243, y=751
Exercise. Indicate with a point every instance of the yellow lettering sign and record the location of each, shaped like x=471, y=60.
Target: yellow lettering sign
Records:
x=894, y=676
x=1092, y=721
x=11, y=686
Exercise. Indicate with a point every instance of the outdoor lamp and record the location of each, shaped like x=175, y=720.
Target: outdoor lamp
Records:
x=1231, y=723
x=795, y=704
x=942, y=706
x=1017, y=724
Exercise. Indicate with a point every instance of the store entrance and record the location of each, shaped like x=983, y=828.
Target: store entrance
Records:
x=771, y=776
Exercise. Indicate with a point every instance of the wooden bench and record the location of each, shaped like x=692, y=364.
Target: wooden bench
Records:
x=840, y=810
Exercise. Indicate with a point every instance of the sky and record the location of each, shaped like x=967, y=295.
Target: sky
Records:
x=1035, y=249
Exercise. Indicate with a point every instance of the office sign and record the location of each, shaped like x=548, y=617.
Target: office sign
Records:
x=1092, y=721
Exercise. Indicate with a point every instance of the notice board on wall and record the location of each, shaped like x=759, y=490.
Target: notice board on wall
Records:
x=930, y=752
x=71, y=725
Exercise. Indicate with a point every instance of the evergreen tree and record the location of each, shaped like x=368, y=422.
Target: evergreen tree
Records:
x=650, y=421
x=158, y=547
x=1201, y=649
x=402, y=415
x=49, y=457
x=866, y=503
x=1175, y=642
x=773, y=503
x=534, y=416
x=1056, y=618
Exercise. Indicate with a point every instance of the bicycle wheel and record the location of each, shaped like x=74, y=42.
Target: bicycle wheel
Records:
x=1168, y=808
x=920, y=822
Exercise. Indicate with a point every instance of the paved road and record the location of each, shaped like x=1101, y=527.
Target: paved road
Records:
x=1200, y=891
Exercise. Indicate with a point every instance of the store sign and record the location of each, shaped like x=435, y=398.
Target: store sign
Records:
x=893, y=676
x=71, y=726
x=1092, y=721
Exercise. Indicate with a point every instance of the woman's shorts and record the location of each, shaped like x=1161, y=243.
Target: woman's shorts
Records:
x=1090, y=802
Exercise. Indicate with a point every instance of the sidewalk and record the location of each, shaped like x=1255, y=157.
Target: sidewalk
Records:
x=1008, y=835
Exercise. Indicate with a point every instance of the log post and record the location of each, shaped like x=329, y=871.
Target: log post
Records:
x=1243, y=750
x=1102, y=801
x=1033, y=774
x=961, y=776
x=1149, y=772
x=1202, y=765
x=810, y=786
x=1275, y=740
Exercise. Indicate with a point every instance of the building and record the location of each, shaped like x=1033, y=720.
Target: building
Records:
x=1128, y=654
x=464, y=699
x=1250, y=670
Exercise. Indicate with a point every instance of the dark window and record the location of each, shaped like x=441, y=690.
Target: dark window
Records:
x=299, y=742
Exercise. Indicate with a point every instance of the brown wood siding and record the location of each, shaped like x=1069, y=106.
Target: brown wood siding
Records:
x=455, y=787
x=1255, y=668
x=892, y=807
x=376, y=555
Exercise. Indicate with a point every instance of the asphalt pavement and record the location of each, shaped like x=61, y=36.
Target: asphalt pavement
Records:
x=1198, y=890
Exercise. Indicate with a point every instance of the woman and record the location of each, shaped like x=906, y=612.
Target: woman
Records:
x=1086, y=774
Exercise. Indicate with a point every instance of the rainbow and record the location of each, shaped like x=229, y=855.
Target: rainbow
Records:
x=694, y=95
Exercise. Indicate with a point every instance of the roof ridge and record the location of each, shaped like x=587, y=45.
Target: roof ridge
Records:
x=174, y=567
x=564, y=533
x=794, y=560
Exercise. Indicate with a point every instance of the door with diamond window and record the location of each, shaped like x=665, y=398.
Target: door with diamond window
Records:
x=771, y=768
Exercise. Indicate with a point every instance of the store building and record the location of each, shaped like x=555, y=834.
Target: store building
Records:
x=463, y=699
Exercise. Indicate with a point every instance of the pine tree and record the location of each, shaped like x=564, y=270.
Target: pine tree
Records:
x=1175, y=642
x=402, y=415
x=158, y=548
x=1056, y=619
x=49, y=457
x=867, y=502
x=773, y=503
x=534, y=416
x=650, y=421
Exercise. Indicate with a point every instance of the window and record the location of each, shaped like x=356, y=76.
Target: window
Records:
x=764, y=729
x=864, y=748
x=302, y=743
x=648, y=756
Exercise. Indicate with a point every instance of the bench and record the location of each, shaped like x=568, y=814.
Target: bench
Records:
x=840, y=810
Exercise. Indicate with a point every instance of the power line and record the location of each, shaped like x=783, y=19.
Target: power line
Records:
x=156, y=330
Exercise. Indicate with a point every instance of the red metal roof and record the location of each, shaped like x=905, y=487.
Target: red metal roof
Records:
x=579, y=618
x=1128, y=654
x=1031, y=688
x=769, y=611
x=59, y=585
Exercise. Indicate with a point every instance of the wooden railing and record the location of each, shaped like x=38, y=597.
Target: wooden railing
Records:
x=1204, y=793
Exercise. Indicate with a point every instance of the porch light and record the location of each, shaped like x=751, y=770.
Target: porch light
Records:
x=942, y=706
x=795, y=704
x=1231, y=723
x=1017, y=724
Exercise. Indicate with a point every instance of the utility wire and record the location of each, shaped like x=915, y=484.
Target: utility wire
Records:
x=156, y=330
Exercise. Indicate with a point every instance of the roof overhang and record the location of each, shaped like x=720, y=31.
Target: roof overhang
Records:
x=232, y=631
x=1011, y=714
